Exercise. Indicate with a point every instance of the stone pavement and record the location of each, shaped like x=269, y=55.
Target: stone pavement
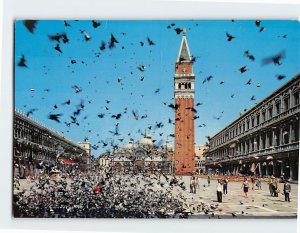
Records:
x=258, y=204
x=235, y=205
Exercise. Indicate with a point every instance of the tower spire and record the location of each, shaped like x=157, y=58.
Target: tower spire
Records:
x=184, y=52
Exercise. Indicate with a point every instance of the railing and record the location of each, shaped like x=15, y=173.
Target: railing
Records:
x=271, y=150
x=185, y=75
x=275, y=119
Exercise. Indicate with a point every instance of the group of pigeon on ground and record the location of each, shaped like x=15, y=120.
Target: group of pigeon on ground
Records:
x=106, y=196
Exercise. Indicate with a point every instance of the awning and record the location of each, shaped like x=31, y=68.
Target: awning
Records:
x=67, y=161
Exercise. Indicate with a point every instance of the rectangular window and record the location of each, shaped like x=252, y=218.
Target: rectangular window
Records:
x=278, y=108
x=296, y=98
x=248, y=125
x=286, y=103
x=252, y=123
x=263, y=116
x=257, y=119
x=270, y=112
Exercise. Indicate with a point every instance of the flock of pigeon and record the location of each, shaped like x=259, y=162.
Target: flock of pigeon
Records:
x=76, y=118
x=108, y=196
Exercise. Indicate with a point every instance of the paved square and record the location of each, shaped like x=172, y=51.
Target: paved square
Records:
x=258, y=204
x=204, y=203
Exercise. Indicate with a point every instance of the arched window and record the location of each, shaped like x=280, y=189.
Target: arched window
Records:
x=179, y=85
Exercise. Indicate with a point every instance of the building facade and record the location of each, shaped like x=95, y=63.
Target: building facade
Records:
x=264, y=141
x=200, y=158
x=141, y=157
x=36, y=146
x=88, y=159
x=184, y=79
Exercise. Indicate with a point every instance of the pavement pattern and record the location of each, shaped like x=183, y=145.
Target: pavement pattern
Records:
x=203, y=204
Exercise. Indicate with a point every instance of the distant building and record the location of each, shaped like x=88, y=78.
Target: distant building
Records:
x=264, y=141
x=87, y=146
x=200, y=158
x=141, y=157
x=37, y=146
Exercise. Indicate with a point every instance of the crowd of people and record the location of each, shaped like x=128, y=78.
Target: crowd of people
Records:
x=256, y=184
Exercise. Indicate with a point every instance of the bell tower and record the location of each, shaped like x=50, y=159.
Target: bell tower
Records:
x=184, y=153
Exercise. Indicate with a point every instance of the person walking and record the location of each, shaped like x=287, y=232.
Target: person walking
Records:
x=245, y=186
x=286, y=190
x=225, y=184
x=219, y=191
x=208, y=180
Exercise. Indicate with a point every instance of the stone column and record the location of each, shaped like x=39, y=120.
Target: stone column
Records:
x=267, y=140
x=274, y=167
x=280, y=137
x=274, y=138
x=260, y=142
x=291, y=134
x=260, y=116
x=241, y=147
x=281, y=104
x=282, y=169
x=291, y=99
x=259, y=169
x=291, y=169
x=267, y=169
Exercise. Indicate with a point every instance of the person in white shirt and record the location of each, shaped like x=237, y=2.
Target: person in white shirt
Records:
x=219, y=191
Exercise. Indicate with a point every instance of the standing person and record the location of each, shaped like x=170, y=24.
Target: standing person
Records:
x=270, y=182
x=245, y=186
x=197, y=182
x=194, y=184
x=286, y=190
x=208, y=180
x=258, y=183
x=191, y=184
x=219, y=191
x=225, y=184
x=275, y=187
x=252, y=182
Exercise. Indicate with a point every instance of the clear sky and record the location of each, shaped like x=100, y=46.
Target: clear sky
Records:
x=97, y=73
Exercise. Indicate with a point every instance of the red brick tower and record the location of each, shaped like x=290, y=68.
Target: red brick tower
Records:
x=184, y=155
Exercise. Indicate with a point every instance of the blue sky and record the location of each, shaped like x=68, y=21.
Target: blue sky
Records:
x=98, y=76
